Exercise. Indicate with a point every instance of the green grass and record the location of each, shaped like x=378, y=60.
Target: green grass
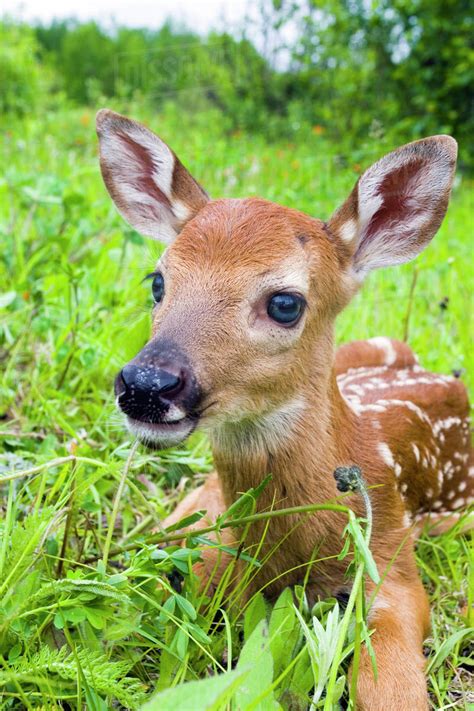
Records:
x=73, y=309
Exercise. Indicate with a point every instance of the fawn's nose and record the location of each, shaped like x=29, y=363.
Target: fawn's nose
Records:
x=146, y=393
x=151, y=382
x=158, y=386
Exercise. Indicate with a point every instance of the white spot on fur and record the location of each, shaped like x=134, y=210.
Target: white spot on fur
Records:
x=446, y=424
x=386, y=454
x=373, y=408
x=386, y=346
x=416, y=452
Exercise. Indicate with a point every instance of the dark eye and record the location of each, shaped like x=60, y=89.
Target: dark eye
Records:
x=158, y=287
x=285, y=308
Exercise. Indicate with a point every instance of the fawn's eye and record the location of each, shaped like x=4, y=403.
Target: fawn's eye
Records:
x=158, y=287
x=285, y=308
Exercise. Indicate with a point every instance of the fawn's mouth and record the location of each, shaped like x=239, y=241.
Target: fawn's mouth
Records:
x=161, y=435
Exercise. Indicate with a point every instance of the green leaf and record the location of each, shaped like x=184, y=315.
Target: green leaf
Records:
x=204, y=695
x=14, y=652
x=284, y=631
x=256, y=655
x=168, y=608
x=58, y=621
x=186, y=606
x=75, y=614
x=185, y=554
x=302, y=679
x=186, y=521
x=362, y=548
x=180, y=643
x=206, y=541
x=199, y=634
x=245, y=504
x=95, y=618
x=447, y=647
x=338, y=689
x=255, y=613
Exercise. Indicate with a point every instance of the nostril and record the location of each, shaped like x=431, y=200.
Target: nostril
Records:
x=128, y=375
x=170, y=384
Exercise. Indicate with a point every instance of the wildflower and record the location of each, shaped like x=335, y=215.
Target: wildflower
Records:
x=348, y=478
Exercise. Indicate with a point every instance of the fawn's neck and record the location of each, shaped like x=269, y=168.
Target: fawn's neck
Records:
x=299, y=444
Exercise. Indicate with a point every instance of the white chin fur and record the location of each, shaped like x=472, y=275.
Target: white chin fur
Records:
x=161, y=436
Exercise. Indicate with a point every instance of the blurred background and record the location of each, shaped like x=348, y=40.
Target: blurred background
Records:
x=348, y=68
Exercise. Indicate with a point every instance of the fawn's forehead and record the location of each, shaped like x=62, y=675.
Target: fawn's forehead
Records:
x=249, y=235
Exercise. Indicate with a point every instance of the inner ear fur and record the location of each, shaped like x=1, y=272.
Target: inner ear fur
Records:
x=149, y=185
x=397, y=205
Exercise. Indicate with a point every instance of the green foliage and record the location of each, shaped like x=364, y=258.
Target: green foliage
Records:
x=21, y=79
x=87, y=63
x=210, y=694
x=353, y=69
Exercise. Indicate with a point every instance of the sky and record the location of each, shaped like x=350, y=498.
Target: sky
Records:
x=199, y=15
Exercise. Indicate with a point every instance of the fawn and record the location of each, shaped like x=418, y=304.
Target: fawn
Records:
x=242, y=346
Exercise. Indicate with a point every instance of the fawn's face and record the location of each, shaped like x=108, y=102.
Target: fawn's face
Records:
x=246, y=293
x=233, y=322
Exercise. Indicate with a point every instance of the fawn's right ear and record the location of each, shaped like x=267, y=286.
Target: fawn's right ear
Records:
x=149, y=185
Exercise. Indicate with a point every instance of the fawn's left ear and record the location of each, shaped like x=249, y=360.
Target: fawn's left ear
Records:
x=397, y=205
x=147, y=182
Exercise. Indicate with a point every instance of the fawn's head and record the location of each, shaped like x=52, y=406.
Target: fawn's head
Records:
x=247, y=291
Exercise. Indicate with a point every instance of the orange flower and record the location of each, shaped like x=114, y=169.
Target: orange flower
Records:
x=26, y=295
x=357, y=168
x=85, y=119
x=318, y=130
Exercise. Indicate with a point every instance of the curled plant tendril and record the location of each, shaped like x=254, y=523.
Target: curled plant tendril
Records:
x=351, y=479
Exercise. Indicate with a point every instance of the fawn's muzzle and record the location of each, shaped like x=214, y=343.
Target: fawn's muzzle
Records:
x=159, y=394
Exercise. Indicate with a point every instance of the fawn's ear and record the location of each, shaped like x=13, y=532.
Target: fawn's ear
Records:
x=397, y=205
x=151, y=188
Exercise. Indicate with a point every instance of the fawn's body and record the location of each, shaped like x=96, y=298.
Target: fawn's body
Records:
x=243, y=345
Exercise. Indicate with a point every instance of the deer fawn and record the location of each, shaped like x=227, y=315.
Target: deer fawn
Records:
x=242, y=346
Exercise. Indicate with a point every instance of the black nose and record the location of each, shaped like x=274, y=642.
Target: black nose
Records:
x=155, y=381
x=148, y=387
